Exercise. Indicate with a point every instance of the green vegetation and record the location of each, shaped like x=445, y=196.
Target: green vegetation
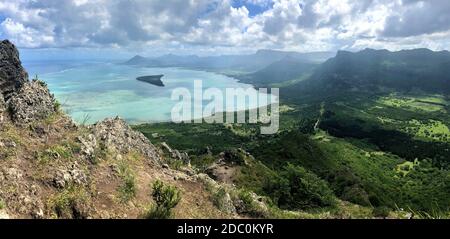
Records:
x=64, y=151
x=409, y=102
x=381, y=212
x=296, y=188
x=220, y=198
x=362, y=159
x=69, y=203
x=166, y=198
x=127, y=190
x=369, y=128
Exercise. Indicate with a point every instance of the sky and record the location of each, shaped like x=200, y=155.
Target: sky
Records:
x=119, y=28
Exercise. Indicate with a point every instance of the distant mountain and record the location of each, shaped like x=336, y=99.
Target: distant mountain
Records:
x=245, y=63
x=371, y=70
x=136, y=60
x=287, y=69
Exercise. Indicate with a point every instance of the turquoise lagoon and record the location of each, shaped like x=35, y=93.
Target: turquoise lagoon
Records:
x=92, y=91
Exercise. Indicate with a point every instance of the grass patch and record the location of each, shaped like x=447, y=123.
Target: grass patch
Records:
x=424, y=103
x=69, y=203
x=64, y=151
x=127, y=190
x=431, y=130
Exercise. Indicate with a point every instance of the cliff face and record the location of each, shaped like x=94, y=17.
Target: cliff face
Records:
x=12, y=74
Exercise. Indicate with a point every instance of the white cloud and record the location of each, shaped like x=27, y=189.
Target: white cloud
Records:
x=215, y=25
x=24, y=36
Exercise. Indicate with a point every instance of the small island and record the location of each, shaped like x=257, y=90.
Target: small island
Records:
x=153, y=79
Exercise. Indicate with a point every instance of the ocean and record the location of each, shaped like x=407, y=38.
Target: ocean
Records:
x=90, y=91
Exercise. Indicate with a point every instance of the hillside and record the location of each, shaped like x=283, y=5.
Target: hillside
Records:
x=381, y=70
x=53, y=168
x=286, y=71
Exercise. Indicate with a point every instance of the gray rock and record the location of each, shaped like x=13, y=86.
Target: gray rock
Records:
x=166, y=147
x=73, y=176
x=175, y=154
x=4, y=215
x=222, y=197
x=117, y=135
x=88, y=146
x=8, y=143
x=13, y=174
x=12, y=74
x=31, y=102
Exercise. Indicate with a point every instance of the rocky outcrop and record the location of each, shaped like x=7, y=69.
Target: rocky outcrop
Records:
x=12, y=74
x=175, y=154
x=31, y=102
x=26, y=101
x=116, y=134
x=221, y=193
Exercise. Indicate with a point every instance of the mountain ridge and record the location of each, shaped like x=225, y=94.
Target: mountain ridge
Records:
x=249, y=63
x=380, y=70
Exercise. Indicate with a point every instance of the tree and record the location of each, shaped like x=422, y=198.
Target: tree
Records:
x=166, y=198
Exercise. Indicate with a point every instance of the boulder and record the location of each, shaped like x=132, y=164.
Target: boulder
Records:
x=12, y=74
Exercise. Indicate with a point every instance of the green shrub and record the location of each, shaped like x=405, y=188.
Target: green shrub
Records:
x=166, y=198
x=297, y=188
x=382, y=212
x=218, y=198
x=128, y=188
x=202, y=162
x=251, y=207
x=356, y=194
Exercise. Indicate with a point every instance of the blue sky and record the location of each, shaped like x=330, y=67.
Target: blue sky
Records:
x=108, y=28
x=254, y=7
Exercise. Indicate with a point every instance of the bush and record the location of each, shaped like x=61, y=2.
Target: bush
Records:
x=382, y=212
x=219, y=199
x=166, y=198
x=251, y=206
x=297, y=188
x=356, y=194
